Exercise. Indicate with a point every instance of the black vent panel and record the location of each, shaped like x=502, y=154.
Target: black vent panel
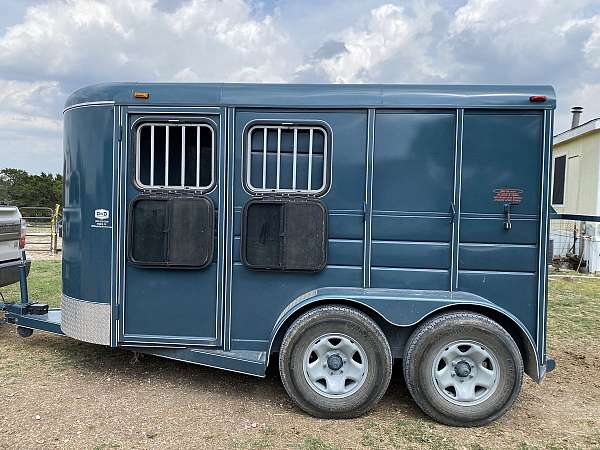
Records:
x=171, y=232
x=285, y=235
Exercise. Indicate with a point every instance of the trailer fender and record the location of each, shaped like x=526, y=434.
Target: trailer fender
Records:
x=406, y=308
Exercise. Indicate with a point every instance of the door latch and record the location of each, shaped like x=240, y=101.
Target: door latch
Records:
x=507, y=218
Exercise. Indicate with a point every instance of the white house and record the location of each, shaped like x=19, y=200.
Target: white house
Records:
x=576, y=189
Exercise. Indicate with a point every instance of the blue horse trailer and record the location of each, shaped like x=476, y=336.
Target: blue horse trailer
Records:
x=331, y=228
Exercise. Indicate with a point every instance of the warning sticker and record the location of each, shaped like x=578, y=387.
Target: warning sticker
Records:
x=508, y=195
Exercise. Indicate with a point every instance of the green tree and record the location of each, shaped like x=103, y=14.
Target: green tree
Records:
x=19, y=188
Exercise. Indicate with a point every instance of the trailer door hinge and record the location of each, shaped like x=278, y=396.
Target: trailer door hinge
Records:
x=120, y=133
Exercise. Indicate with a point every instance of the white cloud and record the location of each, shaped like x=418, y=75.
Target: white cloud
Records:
x=61, y=45
x=30, y=125
x=390, y=35
x=94, y=40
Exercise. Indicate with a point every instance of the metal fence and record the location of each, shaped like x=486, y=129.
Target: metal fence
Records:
x=42, y=228
x=576, y=245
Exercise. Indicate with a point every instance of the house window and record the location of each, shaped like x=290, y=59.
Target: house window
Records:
x=175, y=156
x=558, y=180
x=287, y=159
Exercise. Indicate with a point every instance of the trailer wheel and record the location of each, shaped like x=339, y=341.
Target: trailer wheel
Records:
x=24, y=332
x=335, y=362
x=463, y=369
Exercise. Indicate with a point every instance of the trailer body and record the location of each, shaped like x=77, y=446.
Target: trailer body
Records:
x=201, y=220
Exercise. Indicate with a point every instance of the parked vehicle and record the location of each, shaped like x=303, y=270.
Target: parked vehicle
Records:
x=12, y=242
x=331, y=229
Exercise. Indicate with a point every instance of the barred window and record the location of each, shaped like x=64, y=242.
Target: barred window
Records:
x=175, y=156
x=287, y=159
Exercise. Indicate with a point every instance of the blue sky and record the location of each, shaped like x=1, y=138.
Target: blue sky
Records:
x=49, y=48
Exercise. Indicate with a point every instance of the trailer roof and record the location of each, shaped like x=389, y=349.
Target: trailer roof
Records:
x=318, y=95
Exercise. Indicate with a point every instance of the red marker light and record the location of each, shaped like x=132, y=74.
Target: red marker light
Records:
x=537, y=98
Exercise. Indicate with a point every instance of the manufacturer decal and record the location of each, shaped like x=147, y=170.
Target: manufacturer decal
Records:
x=101, y=218
x=508, y=195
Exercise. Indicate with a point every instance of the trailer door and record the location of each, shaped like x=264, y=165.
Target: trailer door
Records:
x=413, y=188
x=172, y=219
x=500, y=206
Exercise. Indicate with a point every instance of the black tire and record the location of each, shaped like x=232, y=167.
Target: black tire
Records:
x=435, y=336
x=24, y=332
x=361, y=330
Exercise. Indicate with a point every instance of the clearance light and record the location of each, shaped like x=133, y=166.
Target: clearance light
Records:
x=537, y=98
x=144, y=95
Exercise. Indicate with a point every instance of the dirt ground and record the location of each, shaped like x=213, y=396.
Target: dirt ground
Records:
x=56, y=392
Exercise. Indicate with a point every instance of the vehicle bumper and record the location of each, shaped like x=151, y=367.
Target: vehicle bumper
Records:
x=9, y=271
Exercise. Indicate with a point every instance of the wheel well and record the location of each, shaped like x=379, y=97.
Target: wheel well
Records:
x=388, y=329
x=521, y=339
x=398, y=335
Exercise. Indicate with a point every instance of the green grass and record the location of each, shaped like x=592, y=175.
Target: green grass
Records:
x=404, y=433
x=315, y=443
x=573, y=309
x=43, y=284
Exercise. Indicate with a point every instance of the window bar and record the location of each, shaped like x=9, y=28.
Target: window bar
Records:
x=198, y=156
x=182, y=155
x=295, y=157
x=264, y=165
x=278, y=155
x=167, y=156
x=151, y=155
x=310, y=156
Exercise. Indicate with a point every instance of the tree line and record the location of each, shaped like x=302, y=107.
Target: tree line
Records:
x=19, y=188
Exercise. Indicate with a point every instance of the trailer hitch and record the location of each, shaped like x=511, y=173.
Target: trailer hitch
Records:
x=24, y=306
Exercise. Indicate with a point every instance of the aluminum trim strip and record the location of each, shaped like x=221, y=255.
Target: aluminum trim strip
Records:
x=86, y=321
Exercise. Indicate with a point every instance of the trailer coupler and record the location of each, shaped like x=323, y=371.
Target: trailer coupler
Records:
x=27, y=315
x=24, y=307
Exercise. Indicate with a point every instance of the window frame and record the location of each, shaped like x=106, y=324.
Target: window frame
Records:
x=174, y=122
x=279, y=124
x=564, y=196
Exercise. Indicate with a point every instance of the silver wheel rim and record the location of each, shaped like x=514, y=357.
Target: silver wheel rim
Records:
x=465, y=373
x=335, y=365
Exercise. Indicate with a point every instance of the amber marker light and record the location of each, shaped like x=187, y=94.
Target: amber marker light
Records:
x=142, y=95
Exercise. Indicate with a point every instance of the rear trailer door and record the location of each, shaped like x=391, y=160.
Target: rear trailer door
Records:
x=500, y=210
x=173, y=219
